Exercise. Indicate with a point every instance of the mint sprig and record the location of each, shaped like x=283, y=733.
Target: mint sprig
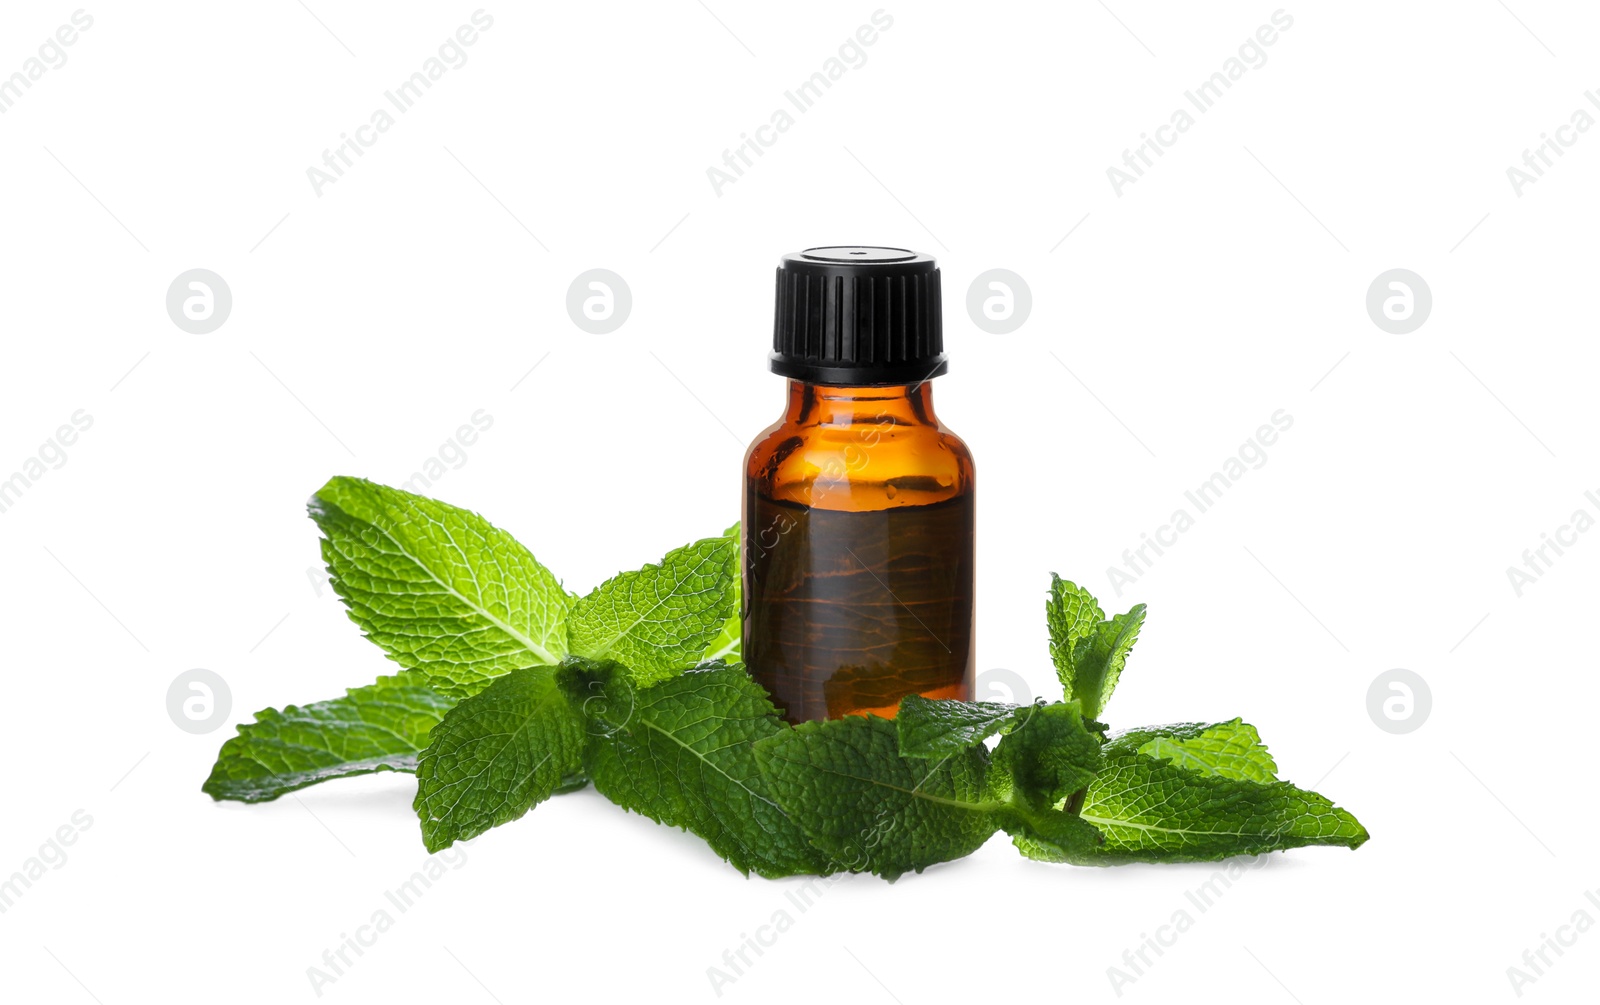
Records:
x=444, y=592
x=515, y=690
x=380, y=727
x=1089, y=651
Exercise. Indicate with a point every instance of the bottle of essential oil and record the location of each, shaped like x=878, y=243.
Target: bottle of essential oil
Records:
x=858, y=504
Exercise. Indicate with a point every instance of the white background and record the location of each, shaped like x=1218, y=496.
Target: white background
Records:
x=376, y=317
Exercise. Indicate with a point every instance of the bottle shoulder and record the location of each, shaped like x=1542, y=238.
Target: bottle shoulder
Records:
x=866, y=465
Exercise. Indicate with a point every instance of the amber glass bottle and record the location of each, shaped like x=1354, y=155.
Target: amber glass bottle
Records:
x=858, y=508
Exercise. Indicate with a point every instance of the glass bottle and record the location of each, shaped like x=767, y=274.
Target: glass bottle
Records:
x=858, y=510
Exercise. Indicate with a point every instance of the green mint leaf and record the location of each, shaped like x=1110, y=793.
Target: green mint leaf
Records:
x=1150, y=810
x=727, y=645
x=1046, y=753
x=1049, y=835
x=1089, y=652
x=660, y=619
x=496, y=755
x=844, y=782
x=680, y=752
x=438, y=588
x=1071, y=613
x=572, y=783
x=1231, y=749
x=936, y=727
x=381, y=727
x=1100, y=658
x=1049, y=755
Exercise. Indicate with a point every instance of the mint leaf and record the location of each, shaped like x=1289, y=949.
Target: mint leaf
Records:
x=1049, y=835
x=1101, y=657
x=438, y=588
x=680, y=752
x=1231, y=749
x=1089, y=652
x=727, y=645
x=658, y=620
x=936, y=727
x=1150, y=810
x=1046, y=753
x=844, y=782
x=1049, y=755
x=381, y=727
x=1071, y=613
x=497, y=755
x=943, y=797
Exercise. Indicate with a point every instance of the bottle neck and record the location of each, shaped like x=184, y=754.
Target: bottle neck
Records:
x=824, y=405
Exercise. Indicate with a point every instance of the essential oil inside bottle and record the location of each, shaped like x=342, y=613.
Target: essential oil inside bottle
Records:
x=849, y=612
x=859, y=504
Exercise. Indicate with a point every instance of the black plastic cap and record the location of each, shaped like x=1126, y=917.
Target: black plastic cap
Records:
x=855, y=316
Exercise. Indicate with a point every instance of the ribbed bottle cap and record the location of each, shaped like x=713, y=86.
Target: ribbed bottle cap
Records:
x=854, y=316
